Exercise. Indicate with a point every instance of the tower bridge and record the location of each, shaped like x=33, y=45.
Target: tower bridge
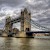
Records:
x=26, y=22
x=22, y=19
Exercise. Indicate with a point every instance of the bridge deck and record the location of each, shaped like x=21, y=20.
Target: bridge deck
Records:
x=38, y=32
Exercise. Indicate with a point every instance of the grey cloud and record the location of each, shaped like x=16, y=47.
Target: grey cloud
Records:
x=1, y=14
x=2, y=24
x=11, y=2
x=39, y=9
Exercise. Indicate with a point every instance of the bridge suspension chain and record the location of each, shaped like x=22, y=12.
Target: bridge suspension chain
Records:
x=40, y=26
x=36, y=25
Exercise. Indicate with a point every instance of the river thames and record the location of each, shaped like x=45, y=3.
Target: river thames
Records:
x=11, y=43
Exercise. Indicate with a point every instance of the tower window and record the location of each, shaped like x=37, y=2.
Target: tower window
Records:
x=27, y=29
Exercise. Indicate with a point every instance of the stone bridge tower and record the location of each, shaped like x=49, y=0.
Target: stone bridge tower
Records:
x=25, y=20
x=8, y=24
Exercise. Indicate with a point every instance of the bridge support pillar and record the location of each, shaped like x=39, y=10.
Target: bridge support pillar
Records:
x=25, y=20
x=8, y=25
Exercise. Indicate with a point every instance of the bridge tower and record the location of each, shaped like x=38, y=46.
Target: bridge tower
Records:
x=8, y=25
x=25, y=20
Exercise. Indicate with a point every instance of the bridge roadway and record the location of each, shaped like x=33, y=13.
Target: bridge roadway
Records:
x=38, y=31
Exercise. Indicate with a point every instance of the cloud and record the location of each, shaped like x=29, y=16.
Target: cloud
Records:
x=11, y=2
x=40, y=10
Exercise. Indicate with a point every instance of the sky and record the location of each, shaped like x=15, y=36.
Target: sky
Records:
x=40, y=11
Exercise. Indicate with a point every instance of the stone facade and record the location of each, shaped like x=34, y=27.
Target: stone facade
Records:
x=15, y=30
x=8, y=25
x=25, y=20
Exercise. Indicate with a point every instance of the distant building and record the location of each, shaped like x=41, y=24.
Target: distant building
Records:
x=42, y=34
x=15, y=30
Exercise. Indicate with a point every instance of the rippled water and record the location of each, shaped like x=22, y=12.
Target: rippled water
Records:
x=23, y=44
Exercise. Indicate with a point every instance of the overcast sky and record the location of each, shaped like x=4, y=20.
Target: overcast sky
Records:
x=40, y=11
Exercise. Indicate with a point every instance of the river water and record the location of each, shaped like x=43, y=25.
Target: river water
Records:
x=11, y=43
